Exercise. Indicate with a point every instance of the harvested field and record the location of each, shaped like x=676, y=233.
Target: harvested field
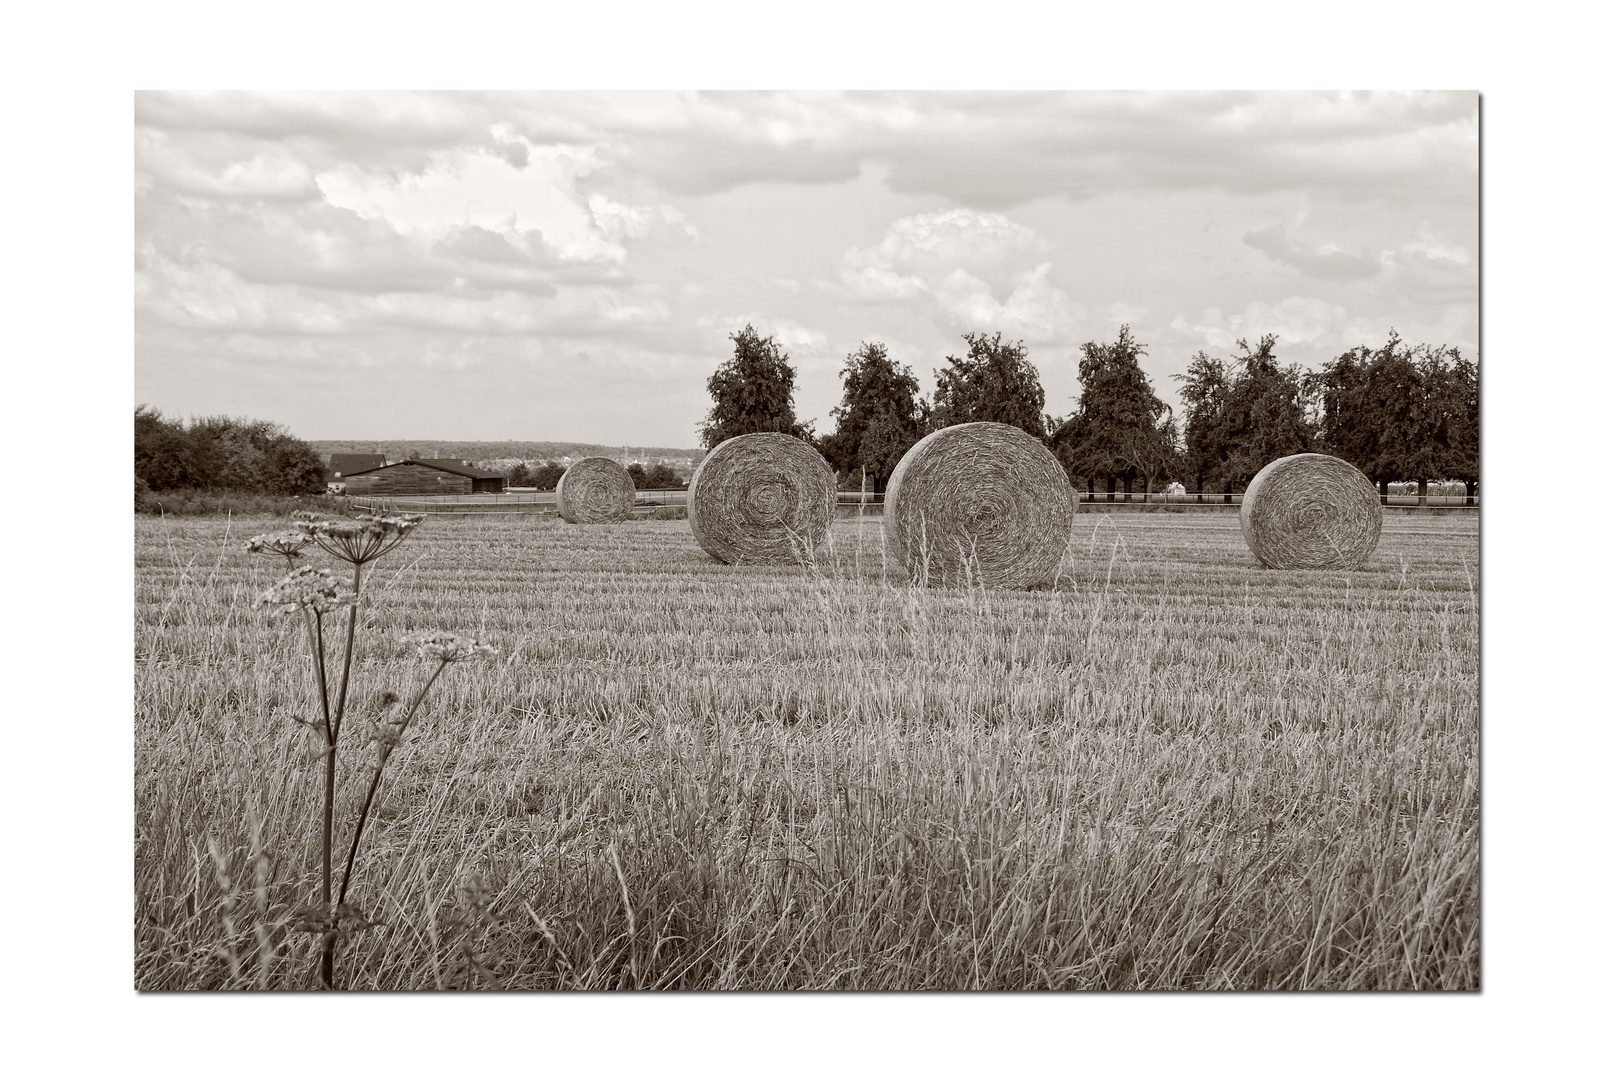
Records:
x=1174, y=769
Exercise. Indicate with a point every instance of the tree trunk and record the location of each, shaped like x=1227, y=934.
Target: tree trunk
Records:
x=1089, y=490
x=1148, y=488
x=1128, y=489
x=1383, y=492
x=1422, y=492
x=1200, y=481
x=1226, y=494
x=1111, y=491
x=1472, y=485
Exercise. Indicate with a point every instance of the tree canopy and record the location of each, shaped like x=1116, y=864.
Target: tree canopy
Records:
x=1264, y=412
x=1119, y=427
x=992, y=381
x=222, y=453
x=880, y=416
x=1204, y=391
x=1243, y=414
x=1400, y=412
x=754, y=390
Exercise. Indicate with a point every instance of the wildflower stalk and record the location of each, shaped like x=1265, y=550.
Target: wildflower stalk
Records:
x=375, y=780
x=312, y=593
x=330, y=756
x=347, y=655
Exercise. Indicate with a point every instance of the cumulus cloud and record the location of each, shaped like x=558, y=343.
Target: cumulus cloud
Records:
x=221, y=168
x=1326, y=261
x=262, y=224
x=955, y=264
x=1433, y=248
x=1296, y=320
x=793, y=337
x=927, y=244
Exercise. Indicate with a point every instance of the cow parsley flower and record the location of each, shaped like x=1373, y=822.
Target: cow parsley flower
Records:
x=288, y=543
x=449, y=648
x=307, y=589
x=363, y=538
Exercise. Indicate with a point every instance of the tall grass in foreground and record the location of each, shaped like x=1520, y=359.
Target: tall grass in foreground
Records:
x=1175, y=770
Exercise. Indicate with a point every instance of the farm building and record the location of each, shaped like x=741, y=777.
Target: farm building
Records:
x=424, y=476
x=341, y=465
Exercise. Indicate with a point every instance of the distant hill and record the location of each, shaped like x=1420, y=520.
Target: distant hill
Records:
x=509, y=450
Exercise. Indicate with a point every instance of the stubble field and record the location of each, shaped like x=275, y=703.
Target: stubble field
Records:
x=1173, y=770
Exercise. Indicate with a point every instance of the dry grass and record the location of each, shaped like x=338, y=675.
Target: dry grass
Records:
x=1176, y=769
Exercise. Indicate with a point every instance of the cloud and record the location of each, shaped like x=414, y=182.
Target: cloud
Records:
x=954, y=264
x=792, y=336
x=1326, y=262
x=984, y=149
x=1035, y=309
x=1004, y=149
x=927, y=244
x=1296, y=320
x=219, y=169
x=1432, y=248
x=556, y=229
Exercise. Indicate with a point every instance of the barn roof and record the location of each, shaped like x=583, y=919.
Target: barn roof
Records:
x=345, y=464
x=447, y=465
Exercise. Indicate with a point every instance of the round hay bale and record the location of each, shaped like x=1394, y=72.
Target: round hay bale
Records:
x=593, y=491
x=765, y=497
x=982, y=502
x=1311, y=512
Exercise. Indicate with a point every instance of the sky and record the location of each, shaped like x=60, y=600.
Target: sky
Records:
x=568, y=266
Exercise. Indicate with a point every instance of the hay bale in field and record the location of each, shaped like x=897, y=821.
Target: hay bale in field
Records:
x=593, y=491
x=1311, y=512
x=982, y=502
x=765, y=497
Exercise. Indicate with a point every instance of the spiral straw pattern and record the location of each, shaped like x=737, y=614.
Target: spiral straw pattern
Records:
x=593, y=491
x=1311, y=512
x=764, y=497
x=979, y=503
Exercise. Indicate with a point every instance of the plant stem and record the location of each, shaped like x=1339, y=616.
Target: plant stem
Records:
x=375, y=782
x=347, y=657
x=325, y=972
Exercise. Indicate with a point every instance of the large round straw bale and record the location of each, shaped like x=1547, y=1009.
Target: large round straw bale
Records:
x=983, y=503
x=594, y=490
x=1311, y=512
x=765, y=497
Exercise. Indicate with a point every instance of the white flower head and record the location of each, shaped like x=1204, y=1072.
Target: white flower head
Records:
x=361, y=539
x=449, y=648
x=288, y=543
x=307, y=589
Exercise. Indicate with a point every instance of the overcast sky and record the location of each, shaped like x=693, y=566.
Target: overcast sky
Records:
x=569, y=265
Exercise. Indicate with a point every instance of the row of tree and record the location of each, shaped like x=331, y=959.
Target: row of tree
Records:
x=1398, y=412
x=546, y=475
x=223, y=453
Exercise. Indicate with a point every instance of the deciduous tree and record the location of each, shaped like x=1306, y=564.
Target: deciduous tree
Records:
x=1263, y=415
x=547, y=476
x=1117, y=423
x=992, y=381
x=1400, y=412
x=1205, y=388
x=754, y=390
x=880, y=416
x=224, y=453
